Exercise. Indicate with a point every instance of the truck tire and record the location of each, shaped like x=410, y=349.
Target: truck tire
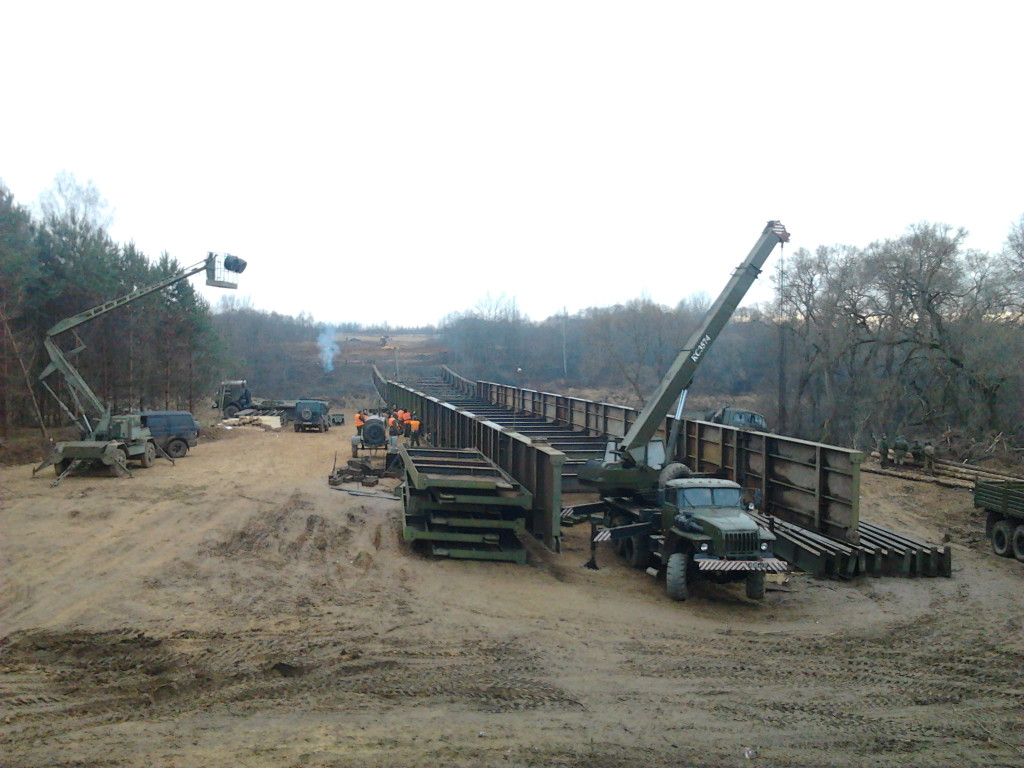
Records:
x=672, y=471
x=1002, y=539
x=619, y=545
x=676, y=583
x=755, y=585
x=177, y=448
x=636, y=551
x=114, y=469
x=297, y=429
x=230, y=411
x=1018, y=542
x=61, y=466
x=148, y=457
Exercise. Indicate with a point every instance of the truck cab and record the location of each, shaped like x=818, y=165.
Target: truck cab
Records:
x=710, y=516
x=708, y=534
x=232, y=397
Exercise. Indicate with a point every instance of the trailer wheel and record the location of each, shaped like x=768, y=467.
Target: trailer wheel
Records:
x=755, y=585
x=1002, y=537
x=177, y=448
x=636, y=551
x=115, y=469
x=676, y=584
x=230, y=411
x=1018, y=542
x=148, y=457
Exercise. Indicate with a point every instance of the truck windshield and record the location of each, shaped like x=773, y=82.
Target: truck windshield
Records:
x=708, y=497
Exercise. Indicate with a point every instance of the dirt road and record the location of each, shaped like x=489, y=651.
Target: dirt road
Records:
x=234, y=610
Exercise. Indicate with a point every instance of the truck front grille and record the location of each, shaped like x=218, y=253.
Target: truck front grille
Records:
x=740, y=543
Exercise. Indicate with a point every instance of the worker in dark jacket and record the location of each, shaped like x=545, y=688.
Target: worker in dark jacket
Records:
x=883, y=451
x=900, y=446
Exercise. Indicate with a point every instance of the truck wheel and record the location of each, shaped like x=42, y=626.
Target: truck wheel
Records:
x=297, y=428
x=1002, y=537
x=61, y=466
x=177, y=448
x=1018, y=542
x=755, y=585
x=148, y=457
x=676, y=584
x=636, y=551
x=619, y=545
x=230, y=411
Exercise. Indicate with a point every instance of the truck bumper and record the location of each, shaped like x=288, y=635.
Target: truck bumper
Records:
x=769, y=564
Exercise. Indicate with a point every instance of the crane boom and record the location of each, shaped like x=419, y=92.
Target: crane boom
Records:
x=680, y=374
x=80, y=390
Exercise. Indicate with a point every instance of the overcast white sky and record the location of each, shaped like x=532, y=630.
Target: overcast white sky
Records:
x=566, y=154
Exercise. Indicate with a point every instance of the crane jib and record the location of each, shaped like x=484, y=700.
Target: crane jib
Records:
x=681, y=372
x=700, y=348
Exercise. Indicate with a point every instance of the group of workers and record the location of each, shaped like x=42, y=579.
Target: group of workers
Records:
x=400, y=423
x=925, y=454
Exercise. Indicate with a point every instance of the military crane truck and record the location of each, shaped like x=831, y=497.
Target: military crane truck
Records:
x=107, y=439
x=657, y=513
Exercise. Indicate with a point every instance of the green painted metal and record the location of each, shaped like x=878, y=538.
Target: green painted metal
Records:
x=463, y=505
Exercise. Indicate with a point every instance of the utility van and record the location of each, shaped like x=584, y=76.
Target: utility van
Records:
x=174, y=431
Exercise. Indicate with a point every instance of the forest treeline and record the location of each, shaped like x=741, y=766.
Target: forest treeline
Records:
x=915, y=334
x=167, y=350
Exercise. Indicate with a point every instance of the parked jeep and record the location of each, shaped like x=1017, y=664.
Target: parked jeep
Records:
x=312, y=415
x=174, y=431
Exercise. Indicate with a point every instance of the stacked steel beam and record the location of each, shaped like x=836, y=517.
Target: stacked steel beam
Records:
x=879, y=552
x=462, y=505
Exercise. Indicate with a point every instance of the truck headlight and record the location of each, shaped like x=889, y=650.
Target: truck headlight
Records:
x=704, y=546
x=764, y=546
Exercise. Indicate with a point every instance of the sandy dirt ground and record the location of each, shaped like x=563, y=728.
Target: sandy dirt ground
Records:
x=233, y=610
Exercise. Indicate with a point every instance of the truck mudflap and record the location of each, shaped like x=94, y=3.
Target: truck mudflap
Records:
x=769, y=564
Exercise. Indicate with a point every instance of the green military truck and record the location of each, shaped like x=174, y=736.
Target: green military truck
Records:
x=1003, y=502
x=662, y=517
x=691, y=528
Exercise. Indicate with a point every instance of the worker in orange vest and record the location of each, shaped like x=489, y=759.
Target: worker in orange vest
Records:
x=360, y=420
x=414, y=429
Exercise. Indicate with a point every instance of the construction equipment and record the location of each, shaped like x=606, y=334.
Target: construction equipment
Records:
x=374, y=437
x=462, y=505
x=234, y=398
x=106, y=439
x=658, y=514
x=1003, y=503
x=740, y=418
